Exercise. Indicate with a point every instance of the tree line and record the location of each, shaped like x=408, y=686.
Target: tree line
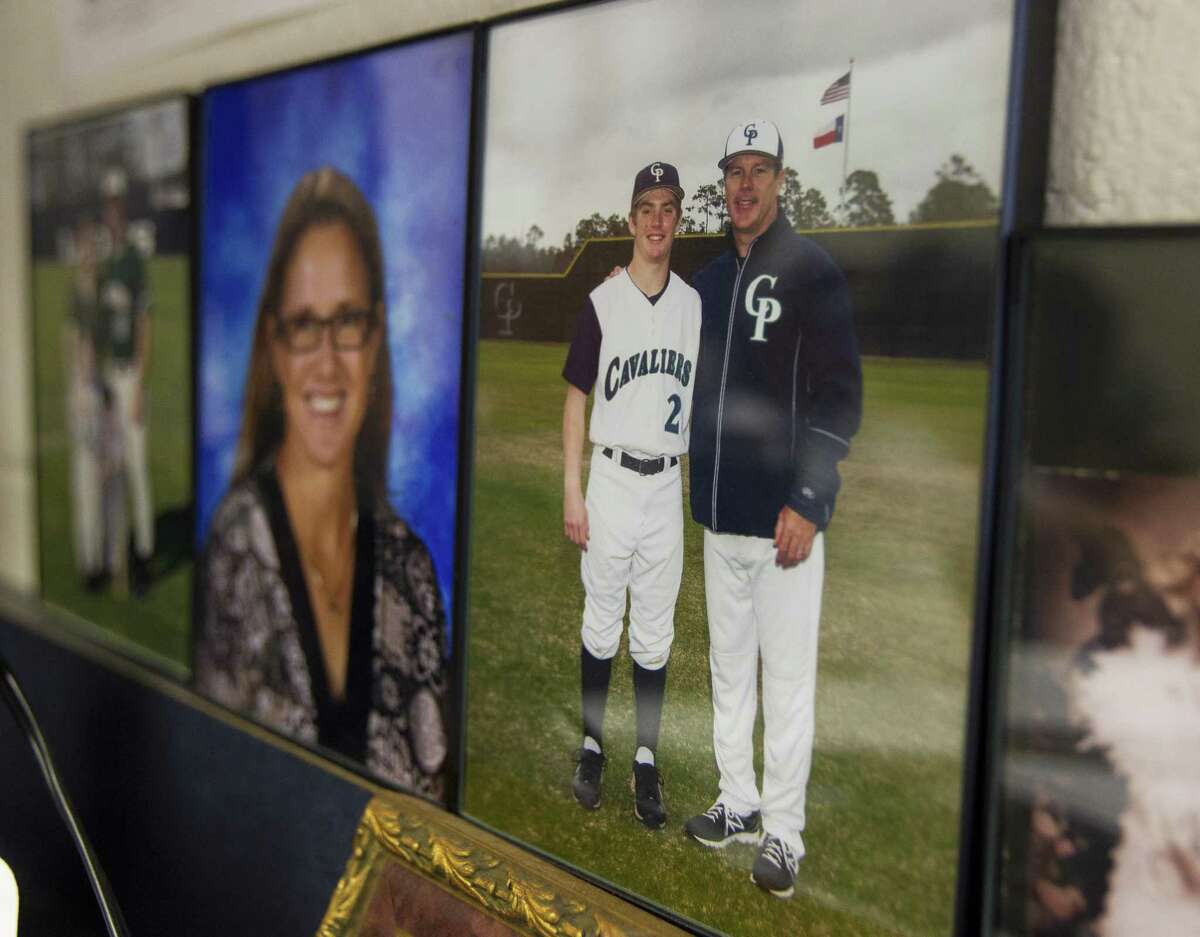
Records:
x=957, y=194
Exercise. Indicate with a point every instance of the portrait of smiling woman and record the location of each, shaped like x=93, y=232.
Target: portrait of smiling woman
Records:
x=321, y=612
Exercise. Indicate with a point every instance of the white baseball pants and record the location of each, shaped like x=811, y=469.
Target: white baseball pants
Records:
x=635, y=544
x=85, y=414
x=755, y=609
x=132, y=434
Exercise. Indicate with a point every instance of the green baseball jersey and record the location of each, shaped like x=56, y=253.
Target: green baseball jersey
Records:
x=121, y=293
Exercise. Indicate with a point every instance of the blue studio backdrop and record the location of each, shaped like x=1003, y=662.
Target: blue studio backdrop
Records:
x=397, y=122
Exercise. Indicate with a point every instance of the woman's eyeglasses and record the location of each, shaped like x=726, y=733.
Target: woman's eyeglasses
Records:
x=350, y=330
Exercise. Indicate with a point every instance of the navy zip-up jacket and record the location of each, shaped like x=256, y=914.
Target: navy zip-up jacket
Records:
x=778, y=392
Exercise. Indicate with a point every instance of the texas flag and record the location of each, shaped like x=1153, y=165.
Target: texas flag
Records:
x=832, y=132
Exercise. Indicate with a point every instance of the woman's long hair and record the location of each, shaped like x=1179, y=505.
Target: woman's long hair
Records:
x=324, y=196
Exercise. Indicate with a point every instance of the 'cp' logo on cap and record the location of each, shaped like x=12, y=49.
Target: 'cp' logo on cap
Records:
x=750, y=133
x=656, y=171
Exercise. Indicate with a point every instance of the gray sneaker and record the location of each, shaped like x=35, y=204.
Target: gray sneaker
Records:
x=775, y=867
x=719, y=826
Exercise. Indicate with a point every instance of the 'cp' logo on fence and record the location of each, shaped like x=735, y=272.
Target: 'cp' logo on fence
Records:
x=507, y=306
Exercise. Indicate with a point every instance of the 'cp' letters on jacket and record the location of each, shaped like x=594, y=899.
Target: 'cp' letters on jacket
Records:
x=778, y=391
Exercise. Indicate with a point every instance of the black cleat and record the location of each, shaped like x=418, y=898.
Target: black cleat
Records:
x=97, y=582
x=646, y=784
x=719, y=826
x=775, y=867
x=140, y=576
x=588, y=771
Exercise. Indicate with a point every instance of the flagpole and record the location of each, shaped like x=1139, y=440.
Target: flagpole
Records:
x=846, y=131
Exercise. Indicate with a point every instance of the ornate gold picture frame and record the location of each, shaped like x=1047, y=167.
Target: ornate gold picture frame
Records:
x=482, y=885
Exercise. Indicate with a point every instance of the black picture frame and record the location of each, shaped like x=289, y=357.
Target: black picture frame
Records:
x=1026, y=134
x=1026, y=168
x=102, y=139
x=457, y=526
x=1099, y=452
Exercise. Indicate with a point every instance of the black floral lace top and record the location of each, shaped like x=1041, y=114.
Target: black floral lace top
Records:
x=257, y=650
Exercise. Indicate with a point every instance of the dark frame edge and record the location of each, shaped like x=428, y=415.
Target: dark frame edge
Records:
x=1024, y=193
x=31, y=345
x=537, y=10
x=195, y=260
x=466, y=423
x=1031, y=98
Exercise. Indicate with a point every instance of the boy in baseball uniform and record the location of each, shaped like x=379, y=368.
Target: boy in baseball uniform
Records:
x=124, y=322
x=85, y=411
x=635, y=345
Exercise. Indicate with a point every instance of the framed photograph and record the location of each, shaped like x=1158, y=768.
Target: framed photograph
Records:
x=1096, y=820
x=110, y=235
x=735, y=316
x=334, y=235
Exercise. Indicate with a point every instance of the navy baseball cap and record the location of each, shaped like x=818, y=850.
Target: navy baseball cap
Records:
x=754, y=136
x=658, y=175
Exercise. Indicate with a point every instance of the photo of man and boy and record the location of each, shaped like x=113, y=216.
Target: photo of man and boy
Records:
x=762, y=499
x=729, y=423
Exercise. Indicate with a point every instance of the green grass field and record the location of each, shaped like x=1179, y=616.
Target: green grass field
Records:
x=160, y=621
x=883, y=799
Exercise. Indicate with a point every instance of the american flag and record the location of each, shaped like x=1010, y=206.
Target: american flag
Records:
x=838, y=91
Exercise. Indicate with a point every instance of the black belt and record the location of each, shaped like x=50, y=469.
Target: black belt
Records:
x=643, y=466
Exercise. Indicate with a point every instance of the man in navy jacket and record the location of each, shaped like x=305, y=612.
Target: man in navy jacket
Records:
x=778, y=397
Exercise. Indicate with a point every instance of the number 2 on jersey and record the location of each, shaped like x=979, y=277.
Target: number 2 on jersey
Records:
x=672, y=424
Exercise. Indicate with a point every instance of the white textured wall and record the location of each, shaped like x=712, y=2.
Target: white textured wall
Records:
x=1125, y=143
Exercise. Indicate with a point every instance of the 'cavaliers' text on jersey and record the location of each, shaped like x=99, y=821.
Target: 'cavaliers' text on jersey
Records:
x=642, y=352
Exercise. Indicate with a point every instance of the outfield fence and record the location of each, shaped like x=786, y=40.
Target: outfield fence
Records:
x=919, y=291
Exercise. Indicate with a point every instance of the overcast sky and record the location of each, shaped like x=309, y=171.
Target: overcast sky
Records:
x=579, y=101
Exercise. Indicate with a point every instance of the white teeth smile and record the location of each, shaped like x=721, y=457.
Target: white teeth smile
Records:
x=325, y=403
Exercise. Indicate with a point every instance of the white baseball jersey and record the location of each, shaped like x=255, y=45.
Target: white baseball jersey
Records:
x=639, y=354
x=643, y=369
